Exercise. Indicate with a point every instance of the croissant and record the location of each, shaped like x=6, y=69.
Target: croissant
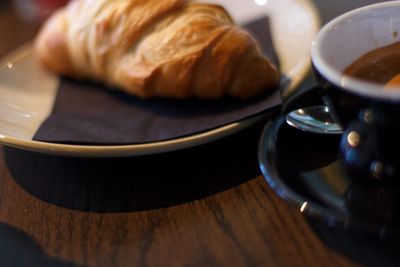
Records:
x=155, y=48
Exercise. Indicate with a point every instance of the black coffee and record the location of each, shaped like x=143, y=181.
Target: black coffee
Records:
x=380, y=65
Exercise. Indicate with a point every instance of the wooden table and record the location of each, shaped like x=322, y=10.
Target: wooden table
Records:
x=206, y=206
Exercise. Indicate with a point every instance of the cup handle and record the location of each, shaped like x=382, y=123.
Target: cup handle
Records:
x=309, y=96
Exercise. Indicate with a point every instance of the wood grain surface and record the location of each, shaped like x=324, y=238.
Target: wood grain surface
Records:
x=205, y=206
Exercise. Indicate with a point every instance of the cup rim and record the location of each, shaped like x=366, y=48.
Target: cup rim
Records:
x=346, y=82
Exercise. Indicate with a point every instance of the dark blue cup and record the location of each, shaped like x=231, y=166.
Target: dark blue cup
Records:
x=370, y=115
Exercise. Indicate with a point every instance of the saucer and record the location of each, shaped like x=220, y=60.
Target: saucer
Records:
x=306, y=171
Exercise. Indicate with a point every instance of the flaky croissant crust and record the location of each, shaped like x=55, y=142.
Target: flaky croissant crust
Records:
x=155, y=48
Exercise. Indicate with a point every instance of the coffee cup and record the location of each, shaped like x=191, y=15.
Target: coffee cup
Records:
x=369, y=113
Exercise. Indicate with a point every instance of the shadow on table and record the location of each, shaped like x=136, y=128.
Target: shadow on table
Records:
x=360, y=247
x=18, y=249
x=141, y=183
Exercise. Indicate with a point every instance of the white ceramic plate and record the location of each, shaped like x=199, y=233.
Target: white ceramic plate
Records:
x=27, y=92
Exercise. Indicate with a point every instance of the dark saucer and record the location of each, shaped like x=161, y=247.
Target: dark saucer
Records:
x=306, y=170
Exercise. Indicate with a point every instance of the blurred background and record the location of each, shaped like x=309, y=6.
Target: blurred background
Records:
x=37, y=10
x=20, y=20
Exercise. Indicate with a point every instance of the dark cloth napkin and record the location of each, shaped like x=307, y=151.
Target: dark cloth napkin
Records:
x=86, y=113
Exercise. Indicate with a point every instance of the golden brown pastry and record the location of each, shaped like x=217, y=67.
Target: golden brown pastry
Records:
x=155, y=48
